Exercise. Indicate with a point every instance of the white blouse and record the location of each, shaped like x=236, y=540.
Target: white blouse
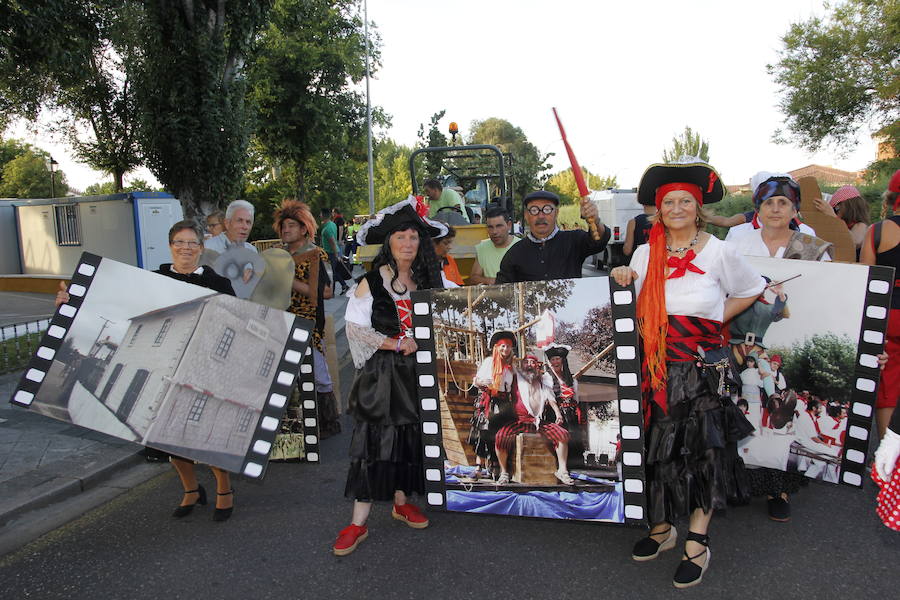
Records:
x=752, y=244
x=726, y=273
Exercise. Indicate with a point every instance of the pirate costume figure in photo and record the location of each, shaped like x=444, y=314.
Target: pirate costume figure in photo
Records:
x=494, y=404
x=565, y=389
x=688, y=283
x=386, y=445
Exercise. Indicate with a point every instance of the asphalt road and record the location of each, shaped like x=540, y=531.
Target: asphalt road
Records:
x=277, y=545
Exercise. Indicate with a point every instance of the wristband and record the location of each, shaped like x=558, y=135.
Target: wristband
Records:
x=399, y=341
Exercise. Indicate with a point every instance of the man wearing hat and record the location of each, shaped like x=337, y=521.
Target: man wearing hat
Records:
x=492, y=406
x=547, y=252
x=565, y=389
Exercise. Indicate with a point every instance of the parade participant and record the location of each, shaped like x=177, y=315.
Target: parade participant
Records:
x=638, y=230
x=565, y=390
x=215, y=223
x=442, y=247
x=494, y=379
x=296, y=227
x=489, y=252
x=442, y=199
x=747, y=330
x=688, y=282
x=777, y=375
x=743, y=223
x=532, y=392
x=385, y=448
x=882, y=247
x=548, y=252
x=886, y=473
x=186, y=246
x=751, y=386
x=777, y=201
x=238, y=223
x=846, y=203
x=329, y=239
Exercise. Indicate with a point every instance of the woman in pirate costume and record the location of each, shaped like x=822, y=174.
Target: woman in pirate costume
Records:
x=565, y=388
x=385, y=449
x=493, y=405
x=688, y=283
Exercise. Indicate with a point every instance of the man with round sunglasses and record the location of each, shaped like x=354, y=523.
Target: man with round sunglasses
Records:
x=547, y=252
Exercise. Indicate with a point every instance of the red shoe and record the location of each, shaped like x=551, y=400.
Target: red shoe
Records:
x=349, y=538
x=411, y=515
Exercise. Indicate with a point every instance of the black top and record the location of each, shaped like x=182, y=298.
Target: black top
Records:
x=889, y=258
x=559, y=257
x=208, y=278
x=642, y=227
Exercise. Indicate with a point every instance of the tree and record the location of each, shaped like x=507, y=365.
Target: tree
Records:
x=391, y=171
x=191, y=89
x=688, y=143
x=840, y=72
x=529, y=165
x=77, y=72
x=109, y=187
x=563, y=184
x=822, y=364
x=432, y=162
x=311, y=55
x=28, y=176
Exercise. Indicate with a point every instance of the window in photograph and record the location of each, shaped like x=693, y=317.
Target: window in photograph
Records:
x=134, y=335
x=244, y=421
x=265, y=366
x=224, y=344
x=162, y=332
x=132, y=394
x=197, y=407
x=68, y=230
x=263, y=312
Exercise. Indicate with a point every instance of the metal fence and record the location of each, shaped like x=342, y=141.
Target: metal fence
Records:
x=18, y=342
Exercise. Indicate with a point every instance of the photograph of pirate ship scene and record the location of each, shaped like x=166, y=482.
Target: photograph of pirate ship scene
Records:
x=166, y=364
x=794, y=353
x=528, y=399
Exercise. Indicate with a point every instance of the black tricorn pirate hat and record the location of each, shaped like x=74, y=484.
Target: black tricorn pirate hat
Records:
x=503, y=335
x=693, y=170
x=377, y=230
x=556, y=350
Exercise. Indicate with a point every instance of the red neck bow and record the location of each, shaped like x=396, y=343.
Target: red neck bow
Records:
x=680, y=266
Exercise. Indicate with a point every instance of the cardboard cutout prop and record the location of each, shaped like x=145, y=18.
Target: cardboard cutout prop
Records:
x=805, y=357
x=517, y=439
x=274, y=287
x=243, y=267
x=831, y=229
x=170, y=365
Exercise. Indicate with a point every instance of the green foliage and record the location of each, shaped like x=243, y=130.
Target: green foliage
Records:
x=28, y=176
x=109, y=187
x=689, y=143
x=391, y=171
x=70, y=57
x=730, y=205
x=839, y=73
x=570, y=216
x=563, y=184
x=822, y=364
x=431, y=163
x=529, y=167
x=191, y=89
x=303, y=73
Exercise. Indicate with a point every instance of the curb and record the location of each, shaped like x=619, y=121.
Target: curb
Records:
x=61, y=480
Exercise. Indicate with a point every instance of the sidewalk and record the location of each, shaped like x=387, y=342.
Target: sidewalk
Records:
x=44, y=461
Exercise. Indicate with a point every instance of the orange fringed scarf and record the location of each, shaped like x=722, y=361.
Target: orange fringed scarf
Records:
x=653, y=322
x=497, y=369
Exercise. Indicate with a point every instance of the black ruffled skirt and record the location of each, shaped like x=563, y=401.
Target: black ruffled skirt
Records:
x=692, y=459
x=386, y=446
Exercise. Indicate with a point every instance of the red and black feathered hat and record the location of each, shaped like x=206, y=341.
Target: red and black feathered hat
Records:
x=692, y=175
x=388, y=220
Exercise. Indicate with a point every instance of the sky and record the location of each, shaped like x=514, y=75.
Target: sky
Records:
x=625, y=77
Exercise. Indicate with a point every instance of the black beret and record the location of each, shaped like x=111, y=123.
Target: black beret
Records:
x=541, y=195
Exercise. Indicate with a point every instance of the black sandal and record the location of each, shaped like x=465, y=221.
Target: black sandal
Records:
x=690, y=573
x=647, y=548
x=183, y=511
x=223, y=514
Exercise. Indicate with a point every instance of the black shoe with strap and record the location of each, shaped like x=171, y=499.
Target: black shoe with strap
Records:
x=223, y=514
x=185, y=510
x=648, y=548
x=690, y=573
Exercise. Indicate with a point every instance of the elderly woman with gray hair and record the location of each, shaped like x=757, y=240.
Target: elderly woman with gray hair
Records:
x=186, y=246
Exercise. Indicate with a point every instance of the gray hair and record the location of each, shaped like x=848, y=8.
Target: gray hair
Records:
x=237, y=204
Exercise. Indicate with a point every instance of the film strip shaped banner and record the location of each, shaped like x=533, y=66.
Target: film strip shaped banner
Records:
x=41, y=362
x=296, y=351
x=631, y=420
x=426, y=374
x=865, y=377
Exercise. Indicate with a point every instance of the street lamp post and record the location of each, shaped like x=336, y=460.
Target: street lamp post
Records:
x=52, y=163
